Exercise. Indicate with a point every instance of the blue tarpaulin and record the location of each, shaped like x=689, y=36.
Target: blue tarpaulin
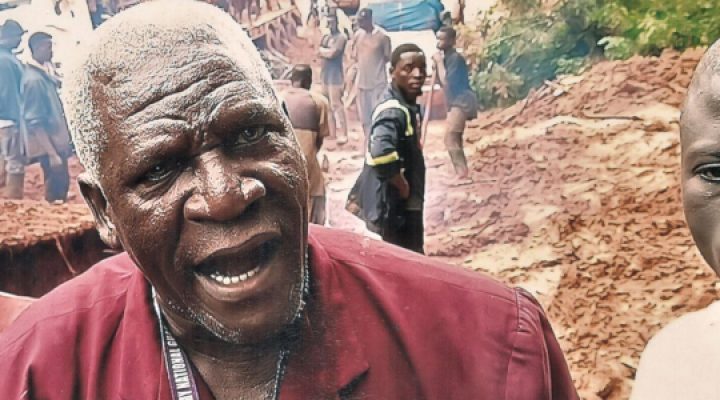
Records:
x=407, y=15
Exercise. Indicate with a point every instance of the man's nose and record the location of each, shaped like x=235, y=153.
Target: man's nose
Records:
x=221, y=194
x=417, y=73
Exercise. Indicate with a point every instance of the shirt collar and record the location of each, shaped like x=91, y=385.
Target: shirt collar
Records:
x=33, y=63
x=395, y=93
x=331, y=356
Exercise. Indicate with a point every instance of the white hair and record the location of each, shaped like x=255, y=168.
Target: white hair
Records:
x=137, y=39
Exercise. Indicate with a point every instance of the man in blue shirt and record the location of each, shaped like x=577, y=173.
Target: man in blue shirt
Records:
x=452, y=73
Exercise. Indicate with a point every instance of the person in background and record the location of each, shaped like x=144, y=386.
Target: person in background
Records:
x=452, y=73
x=12, y=162
x=47, y=137
x=332, y=51
x=390, y=191
x=371, y=50
x=311, y=118
x=682, y=360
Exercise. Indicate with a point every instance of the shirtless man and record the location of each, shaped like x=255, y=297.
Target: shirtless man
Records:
x=311, y=119
x=371, y=50
x=682, y=361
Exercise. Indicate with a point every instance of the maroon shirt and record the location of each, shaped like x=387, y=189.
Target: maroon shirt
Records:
x=384, y=323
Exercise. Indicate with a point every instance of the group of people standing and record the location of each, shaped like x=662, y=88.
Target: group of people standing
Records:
x=33, y=128
x=389, y=193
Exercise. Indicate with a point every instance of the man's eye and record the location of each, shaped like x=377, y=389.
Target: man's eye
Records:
x=247, y=136
x=160, y=172
x=710, y=173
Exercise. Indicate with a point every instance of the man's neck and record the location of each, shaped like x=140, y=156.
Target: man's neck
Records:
x=411, y=100
x=448, y=51
x=231, y=371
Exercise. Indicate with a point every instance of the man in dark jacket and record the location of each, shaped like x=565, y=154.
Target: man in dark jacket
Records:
x=11, y=149
x=47, y=138
x=391, y=188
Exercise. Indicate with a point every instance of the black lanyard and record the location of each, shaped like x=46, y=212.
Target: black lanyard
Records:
x=180, y=376
x=182, y=381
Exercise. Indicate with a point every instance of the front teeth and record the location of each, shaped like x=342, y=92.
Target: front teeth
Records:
x=234, y=279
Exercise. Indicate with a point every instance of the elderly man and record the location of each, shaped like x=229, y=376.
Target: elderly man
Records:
x=222, y=291
x=682, y=361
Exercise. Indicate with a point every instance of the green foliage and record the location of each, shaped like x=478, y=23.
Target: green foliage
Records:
x=497, y=86
x=648, y=26
x=527, y=45
x=518, y=7
x=531, y=48
x=571, y=66
x=618, y=47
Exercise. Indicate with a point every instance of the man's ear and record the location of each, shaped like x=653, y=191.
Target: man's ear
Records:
x=95, y=199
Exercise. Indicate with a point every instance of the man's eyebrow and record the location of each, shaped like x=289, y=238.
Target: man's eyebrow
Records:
x=158, y=144
x=234, y=112
x=166, y=125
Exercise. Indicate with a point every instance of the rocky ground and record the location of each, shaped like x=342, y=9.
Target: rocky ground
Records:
x=574, y=194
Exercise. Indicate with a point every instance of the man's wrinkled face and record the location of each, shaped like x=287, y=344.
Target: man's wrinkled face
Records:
x=207, y=190
x=409, y=74
x=700, y=139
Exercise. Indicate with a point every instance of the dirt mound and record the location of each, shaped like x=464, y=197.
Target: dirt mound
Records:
x=24, y=223
x=576, y=196
x=609, y=88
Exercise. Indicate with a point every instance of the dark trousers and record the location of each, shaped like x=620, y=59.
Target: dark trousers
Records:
x=57, y=180
x=410, y=234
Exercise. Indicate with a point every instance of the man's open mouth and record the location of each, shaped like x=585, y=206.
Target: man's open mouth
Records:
x=229, y=268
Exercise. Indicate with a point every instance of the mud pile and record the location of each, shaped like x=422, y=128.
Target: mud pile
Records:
x=24, y=223
x=43, y=245
x=609, y=88
x=576, y=196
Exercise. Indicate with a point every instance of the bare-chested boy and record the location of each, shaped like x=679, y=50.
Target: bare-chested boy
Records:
x=682, y=361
